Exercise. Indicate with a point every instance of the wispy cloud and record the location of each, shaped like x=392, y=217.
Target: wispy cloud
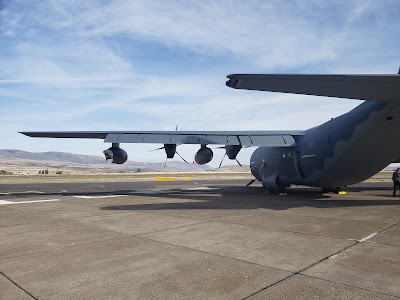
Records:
x=95, y=65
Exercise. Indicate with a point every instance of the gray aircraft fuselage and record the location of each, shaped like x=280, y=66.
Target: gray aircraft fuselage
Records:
x=345, y=150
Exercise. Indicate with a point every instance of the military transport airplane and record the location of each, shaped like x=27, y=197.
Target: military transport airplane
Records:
x=345, y=150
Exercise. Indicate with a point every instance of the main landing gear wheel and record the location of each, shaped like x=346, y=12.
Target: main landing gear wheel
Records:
x=276, y=190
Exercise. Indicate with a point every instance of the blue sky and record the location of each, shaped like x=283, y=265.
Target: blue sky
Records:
x=152, y=65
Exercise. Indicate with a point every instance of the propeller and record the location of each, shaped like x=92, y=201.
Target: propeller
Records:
x=222, y=160
x=231, y=151
x=238, y=162
x=220, y=164
x=165, y=162
x=157, y=149
x=181, y=157
x=251, y=182
x=170, y=150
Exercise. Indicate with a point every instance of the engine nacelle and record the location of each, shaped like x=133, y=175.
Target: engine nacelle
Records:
x=204, y=155
x=170, y=150
x=232, y=150
x=115, y=155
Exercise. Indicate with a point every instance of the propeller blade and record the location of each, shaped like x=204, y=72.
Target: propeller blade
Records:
x=182, y=157
x=157, y=149
x=251, y=182
x=165, y=163
x=222, y=160
x=238, y=162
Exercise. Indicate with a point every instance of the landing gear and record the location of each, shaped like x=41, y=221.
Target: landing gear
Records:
x=273, y=184
x=276, y=190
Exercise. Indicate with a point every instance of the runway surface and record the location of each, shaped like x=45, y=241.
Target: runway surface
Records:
x=197, y=240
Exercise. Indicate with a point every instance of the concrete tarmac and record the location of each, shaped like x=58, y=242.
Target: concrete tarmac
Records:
x=197, y=240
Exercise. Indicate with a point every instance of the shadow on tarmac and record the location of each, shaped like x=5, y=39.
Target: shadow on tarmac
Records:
x=234, y=197
x=215, y=196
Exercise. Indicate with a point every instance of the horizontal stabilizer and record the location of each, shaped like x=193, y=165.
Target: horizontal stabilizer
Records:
x=385, y=88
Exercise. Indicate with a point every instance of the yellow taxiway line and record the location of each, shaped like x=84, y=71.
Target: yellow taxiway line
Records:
x=171, y=178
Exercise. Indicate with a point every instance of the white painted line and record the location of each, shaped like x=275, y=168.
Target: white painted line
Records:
x=99, y=197
x=6, y=202
x=368, y=237
x=3, y=202
x=200, y=189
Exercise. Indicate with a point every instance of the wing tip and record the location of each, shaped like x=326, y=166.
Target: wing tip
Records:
x=29, y=133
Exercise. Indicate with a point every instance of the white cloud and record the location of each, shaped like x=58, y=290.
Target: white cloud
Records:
x=85, y=65
x=266, y=34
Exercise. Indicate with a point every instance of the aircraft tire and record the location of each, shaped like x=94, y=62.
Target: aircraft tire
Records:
x=276, y=190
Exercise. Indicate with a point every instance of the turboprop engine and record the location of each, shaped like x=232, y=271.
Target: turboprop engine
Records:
x=115, y=154
x=204, y=155
x=232, y=150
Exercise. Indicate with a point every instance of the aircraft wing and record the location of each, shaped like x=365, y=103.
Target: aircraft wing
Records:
x=385, y=88
x=243, y=138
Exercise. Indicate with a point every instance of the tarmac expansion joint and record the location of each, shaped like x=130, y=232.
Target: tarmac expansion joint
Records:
x=17, y=285
x=302, y=270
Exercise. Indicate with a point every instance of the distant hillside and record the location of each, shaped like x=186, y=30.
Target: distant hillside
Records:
x=31, y=162
x=52, y=156
x=233, y=168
